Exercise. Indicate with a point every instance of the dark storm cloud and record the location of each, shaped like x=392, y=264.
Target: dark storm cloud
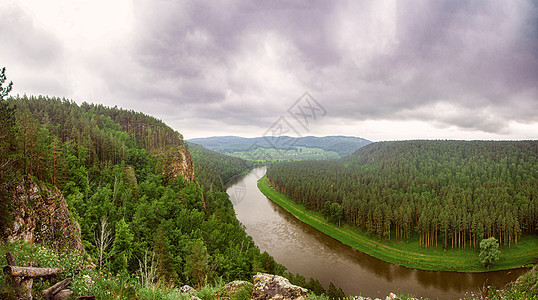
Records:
x=476, y=56
x=488, y=48
x=471, y=65
x=479, y=57
x=201, y=46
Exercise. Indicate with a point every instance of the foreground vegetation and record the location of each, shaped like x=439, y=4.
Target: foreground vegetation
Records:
x=145, y=283
x=525, y=287
x=142, y=284
x=409, y=253
x=102, y=283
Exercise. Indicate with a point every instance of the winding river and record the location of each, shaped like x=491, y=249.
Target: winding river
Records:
x=304, y=250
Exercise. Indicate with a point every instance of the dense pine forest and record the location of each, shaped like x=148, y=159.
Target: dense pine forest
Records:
x=110, y=165
x=213, y=169
x=451, y=194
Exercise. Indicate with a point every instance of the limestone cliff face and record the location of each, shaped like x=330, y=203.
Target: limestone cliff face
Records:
x=40, y=215
x=177, y=161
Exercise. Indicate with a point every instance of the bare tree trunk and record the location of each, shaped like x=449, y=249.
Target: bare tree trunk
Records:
x=103, y=240
x=55, y=289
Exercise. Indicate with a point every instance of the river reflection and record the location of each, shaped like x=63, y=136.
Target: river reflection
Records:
x=304, y=250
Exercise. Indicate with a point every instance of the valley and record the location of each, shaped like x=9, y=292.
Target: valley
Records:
x=269, y=149
x=313, y=249
x=127, y=186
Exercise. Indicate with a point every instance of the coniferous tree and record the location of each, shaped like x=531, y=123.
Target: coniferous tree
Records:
x=335, y=293
x=448, y=193
x=4, y=91
x=315, y=286
x=7, y=151
x=165, y=265
x=197, y=263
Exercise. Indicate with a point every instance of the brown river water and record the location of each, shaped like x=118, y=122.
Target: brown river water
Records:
x=304, y=250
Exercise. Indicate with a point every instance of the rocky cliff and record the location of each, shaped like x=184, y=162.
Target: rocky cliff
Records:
x=177, y=161
x=40, y=215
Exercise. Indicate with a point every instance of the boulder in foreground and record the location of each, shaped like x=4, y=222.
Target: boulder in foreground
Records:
x=267, y=286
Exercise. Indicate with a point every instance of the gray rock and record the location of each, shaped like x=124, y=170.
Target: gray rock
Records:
x=267, y=286
x=187, y=289
x=234, y=286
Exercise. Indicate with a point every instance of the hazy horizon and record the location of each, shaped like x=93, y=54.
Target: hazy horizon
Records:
x=366, y=138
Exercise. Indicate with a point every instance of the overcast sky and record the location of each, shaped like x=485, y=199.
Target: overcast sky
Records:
x=381, y=70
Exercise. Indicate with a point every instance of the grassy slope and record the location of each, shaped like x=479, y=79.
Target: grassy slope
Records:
x=406, y=254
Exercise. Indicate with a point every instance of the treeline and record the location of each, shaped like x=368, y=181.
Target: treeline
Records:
x=448, y=193
x=48, y=130
x=213, y=169
x=106, y=163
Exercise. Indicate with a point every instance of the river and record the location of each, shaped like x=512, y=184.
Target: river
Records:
x=304, y=250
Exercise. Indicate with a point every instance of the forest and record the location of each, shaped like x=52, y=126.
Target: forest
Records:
x=451, y=194
x=109, y=165
x=213, y=169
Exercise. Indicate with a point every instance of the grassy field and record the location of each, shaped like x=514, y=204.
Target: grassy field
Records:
x=407, y=254
x=275, y=155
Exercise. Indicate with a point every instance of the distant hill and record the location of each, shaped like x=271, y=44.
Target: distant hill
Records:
x=343, y=145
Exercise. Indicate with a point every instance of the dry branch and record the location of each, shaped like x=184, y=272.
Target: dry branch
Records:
x=53, y=290
x=10, y=259
x=30, y=271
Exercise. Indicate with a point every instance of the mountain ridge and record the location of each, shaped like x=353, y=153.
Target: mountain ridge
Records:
x=343, y=145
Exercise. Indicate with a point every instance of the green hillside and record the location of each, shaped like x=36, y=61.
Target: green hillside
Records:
x=213, y=169
x=127, y=174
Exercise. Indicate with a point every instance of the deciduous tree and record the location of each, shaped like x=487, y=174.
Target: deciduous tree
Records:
x=489, y=251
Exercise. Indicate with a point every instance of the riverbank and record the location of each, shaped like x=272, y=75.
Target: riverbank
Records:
x=406, y=254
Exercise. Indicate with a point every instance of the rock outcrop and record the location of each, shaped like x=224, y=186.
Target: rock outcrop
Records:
x=40, y=215
x=188, y=290
x=267, y=286
x=177, y=161
x=234, y=286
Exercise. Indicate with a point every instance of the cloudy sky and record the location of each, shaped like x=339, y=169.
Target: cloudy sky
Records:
x=382, y=70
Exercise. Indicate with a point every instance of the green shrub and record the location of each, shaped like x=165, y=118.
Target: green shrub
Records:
x=104, y=285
